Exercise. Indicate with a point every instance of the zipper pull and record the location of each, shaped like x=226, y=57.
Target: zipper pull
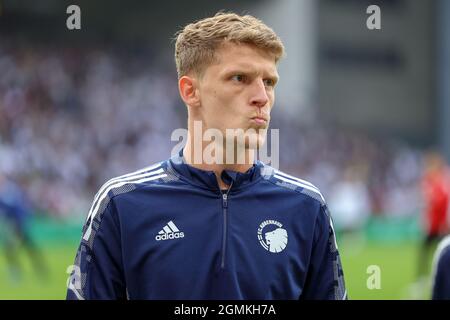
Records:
x=225, y=197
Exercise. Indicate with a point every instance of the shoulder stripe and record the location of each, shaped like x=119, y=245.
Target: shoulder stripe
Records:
x=137, y=174
x=297, y=183
x=442, y=246
x=149, y=177
x=135, y=179
x=146, y=169
x=295, y=178
x=445, y=243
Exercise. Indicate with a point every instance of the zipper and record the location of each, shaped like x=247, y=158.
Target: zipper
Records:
x=225, y=224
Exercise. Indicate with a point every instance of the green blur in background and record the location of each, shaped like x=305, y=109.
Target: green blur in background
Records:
x=392, y=245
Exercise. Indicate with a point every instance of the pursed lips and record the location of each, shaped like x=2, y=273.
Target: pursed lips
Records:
x=260, y=119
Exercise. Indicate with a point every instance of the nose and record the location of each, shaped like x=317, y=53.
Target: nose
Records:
x=259, y=97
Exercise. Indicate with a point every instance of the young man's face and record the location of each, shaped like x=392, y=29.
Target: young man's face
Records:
x=237, y=91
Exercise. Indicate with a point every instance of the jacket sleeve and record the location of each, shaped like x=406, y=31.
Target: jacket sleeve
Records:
x=325, y=277
x=441, y=281
x=98, y=270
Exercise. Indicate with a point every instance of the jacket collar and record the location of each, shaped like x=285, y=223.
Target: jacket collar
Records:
x=207, y=179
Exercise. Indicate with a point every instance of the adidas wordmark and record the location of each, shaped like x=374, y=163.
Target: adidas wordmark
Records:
x=170, y=231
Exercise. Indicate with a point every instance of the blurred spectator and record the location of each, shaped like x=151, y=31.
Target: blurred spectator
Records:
x=15, y=210
x=350, y=201
x=436, y=192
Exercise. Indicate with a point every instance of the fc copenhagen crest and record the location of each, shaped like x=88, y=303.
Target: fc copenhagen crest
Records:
x=272, y=236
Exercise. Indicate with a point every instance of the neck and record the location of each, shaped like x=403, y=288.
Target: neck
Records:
x=191, y=148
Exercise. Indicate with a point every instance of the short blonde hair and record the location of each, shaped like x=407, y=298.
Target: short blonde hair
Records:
x=196, y=44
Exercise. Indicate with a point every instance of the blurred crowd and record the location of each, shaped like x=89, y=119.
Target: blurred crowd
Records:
x=359, y=175
x=72, y=118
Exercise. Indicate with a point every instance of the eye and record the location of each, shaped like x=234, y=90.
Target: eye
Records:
x=269, y=82
x=238, y=78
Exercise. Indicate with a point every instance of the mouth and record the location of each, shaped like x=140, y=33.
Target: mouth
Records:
x=259, y=120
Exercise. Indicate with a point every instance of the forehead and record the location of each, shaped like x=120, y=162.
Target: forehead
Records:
x=244, y=56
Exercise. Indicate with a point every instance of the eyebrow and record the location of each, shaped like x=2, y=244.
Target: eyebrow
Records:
x=249, y=70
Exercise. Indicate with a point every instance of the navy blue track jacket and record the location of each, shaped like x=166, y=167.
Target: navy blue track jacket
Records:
x=169, y=232
x=441, y=271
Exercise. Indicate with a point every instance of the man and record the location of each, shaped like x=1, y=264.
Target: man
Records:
x=16, y=210
x=435, y=186
x=192, y=228
x=441, y=271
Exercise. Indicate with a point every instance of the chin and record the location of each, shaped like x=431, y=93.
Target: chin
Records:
x=254, y=142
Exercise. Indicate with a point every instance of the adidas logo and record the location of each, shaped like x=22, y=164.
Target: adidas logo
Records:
x=170, y=231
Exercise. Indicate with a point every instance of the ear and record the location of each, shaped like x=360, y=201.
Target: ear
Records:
x=189, y=92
